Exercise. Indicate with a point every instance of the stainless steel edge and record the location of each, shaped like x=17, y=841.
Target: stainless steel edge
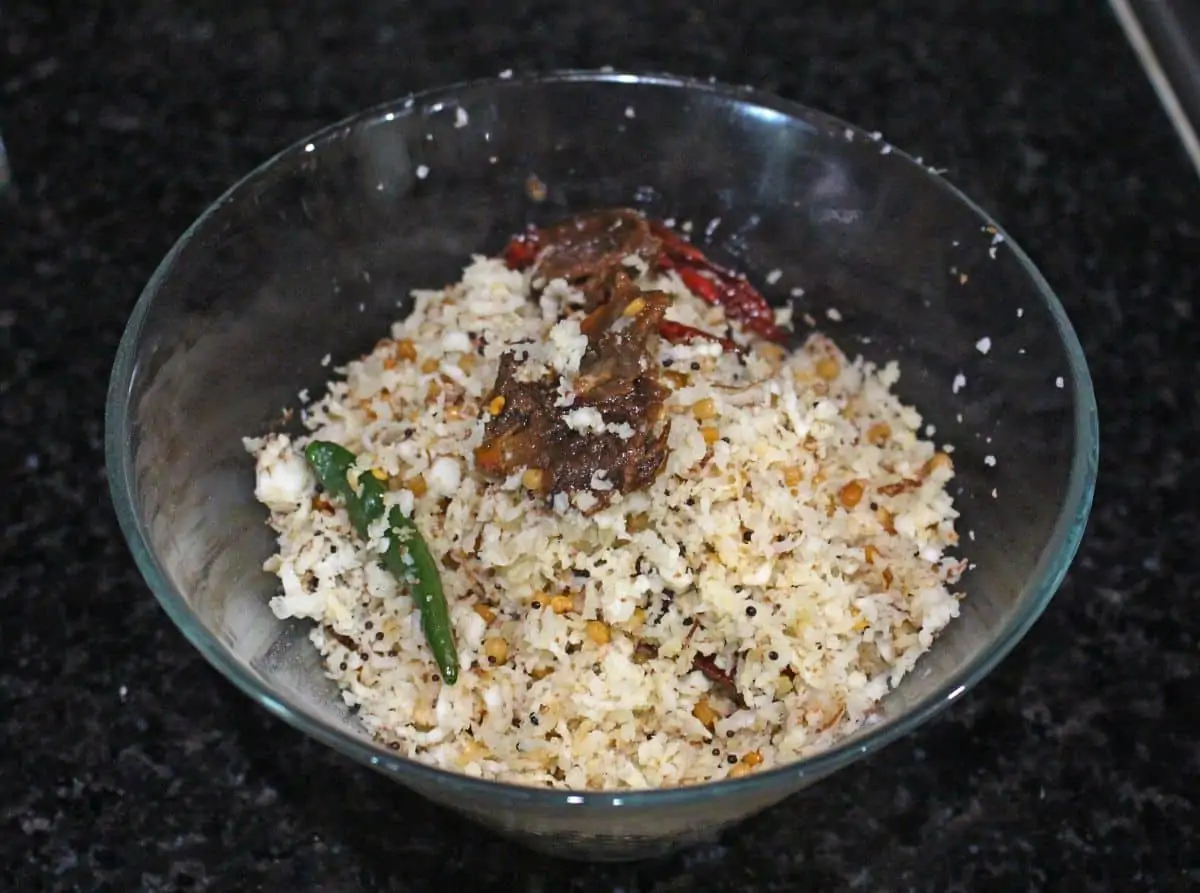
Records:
x=1165, y=34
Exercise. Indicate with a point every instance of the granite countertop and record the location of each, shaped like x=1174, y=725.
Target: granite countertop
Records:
x=129, y=764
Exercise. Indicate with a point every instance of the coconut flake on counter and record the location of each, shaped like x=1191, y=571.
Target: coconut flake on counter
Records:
x=983, y=345
x=960, y=382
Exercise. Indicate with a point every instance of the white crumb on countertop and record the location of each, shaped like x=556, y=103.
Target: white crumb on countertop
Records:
x=983, y=345
x=990, y=461
x=774, y=276
x=960, y=382
x=460, y=117
x=422, y=171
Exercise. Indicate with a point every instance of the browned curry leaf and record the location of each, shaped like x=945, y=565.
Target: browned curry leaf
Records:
x=618, y=376
x=721, y=679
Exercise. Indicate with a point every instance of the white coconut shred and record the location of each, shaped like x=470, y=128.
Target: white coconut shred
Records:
x=750, y=607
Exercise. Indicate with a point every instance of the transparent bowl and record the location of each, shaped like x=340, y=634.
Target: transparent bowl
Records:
x=314, y=253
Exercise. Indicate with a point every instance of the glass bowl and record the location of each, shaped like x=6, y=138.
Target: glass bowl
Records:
x=313, y=254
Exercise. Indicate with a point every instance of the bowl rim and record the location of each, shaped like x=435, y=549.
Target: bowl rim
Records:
x=1036, y=594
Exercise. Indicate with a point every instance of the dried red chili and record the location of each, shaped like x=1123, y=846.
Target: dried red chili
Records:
x=522, y=250
x=708, y=281
x=678, y=333
x=730, y=290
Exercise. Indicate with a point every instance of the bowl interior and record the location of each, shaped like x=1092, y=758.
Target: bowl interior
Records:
x=313, y=255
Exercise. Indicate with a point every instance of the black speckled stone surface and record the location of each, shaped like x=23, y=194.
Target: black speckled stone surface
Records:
x=127, y=764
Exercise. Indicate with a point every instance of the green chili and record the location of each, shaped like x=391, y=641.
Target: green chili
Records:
x=406, y=542
x=332, y=465
x=407, y=554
